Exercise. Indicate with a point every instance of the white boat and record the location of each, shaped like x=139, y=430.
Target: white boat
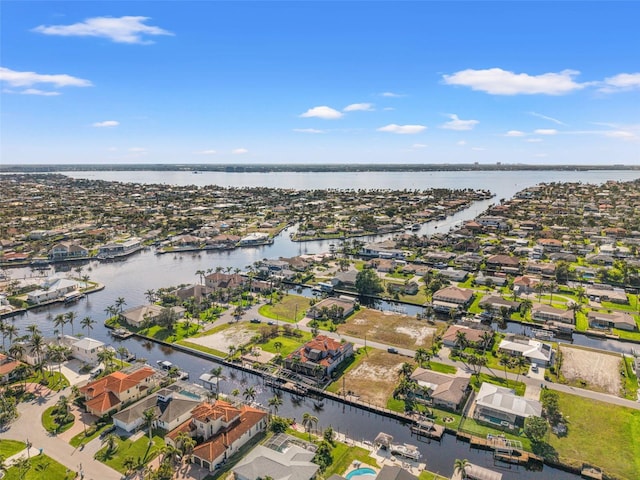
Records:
x=405, y=450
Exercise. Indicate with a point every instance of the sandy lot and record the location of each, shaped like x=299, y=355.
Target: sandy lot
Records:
x=375, y=378
x=601, y=371
x=390, y=328
x=235, y=335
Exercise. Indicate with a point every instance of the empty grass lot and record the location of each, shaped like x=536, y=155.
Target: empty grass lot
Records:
x=291, y=308
x=601, y=434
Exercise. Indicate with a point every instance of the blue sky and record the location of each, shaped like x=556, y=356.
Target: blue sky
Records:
x=320, y=82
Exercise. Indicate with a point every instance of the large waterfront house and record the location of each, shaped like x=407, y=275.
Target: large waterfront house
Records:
x=53, y=288
x=621, y=320
x=109, y=393
x=545, y=313
x=67, y=251
x=441, y=389
x=282, y=458
x=318, y=357
x=224, y=429
x=8, y=368
x=119, y=249
x=145, y=315
x=334, y=307
x=448, y=298
x=220, y=280
x=501, y=407
x=84, y=349
x=170, y=409
x=474, y=337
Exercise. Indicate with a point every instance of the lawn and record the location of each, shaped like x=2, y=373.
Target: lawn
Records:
x=9, y=448
x=344, y=456
x=55, y=381
x=179, y=332
x=424, y=475
x=49, y=421
x=291, y=308
x=600, y=434
x=441, y=367
x=41, y=467
x=476, y=382
x=481, y=430
x=81, y=438
x=288, y=344
x=202, y=348
x=630, y=381
x=138, y=449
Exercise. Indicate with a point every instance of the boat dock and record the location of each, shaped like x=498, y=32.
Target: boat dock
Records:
x=504, y=449
x=429, y=430
x=121, y=333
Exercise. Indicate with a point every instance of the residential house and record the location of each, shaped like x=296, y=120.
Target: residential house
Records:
x=84, y=349
x=333, y=307
x=8, y=368
x=452, y=297
x=545, y=313
x=319, y=357
x=395, y=472
x=496, y=303
x=120, y=249
x=345, y=279
x=503, y=263
x=547, y=270
x=224, y=428
x=493, y=221
x=67, y=251
x=473, y=336
x=144, y=315
x=494, y=280
x=536, y=352
x=109, y=393
x=171, y=409
x=441, y=389
x=476, y=472
x=550, y=244
x=501, y=407
x=621, y=320
x=607, y=293
x=384, y=249
x=288, y=462
x=525, y=284
x=224, y=280
x=454, y=274
x=53, y=288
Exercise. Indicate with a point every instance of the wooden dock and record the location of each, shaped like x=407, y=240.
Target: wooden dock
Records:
x=121, y=333
x=429, y=430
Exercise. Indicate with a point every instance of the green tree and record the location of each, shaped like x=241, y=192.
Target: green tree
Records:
x=88, y=323
x=368, y=282
x=275, y=402
x=309, y=421
x=535, y=428
x=460, y=466
x=150, y=416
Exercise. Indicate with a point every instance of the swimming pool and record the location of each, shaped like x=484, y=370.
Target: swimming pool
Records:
x=363, y=473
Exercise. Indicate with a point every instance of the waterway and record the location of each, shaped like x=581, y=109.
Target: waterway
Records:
x=143, y=271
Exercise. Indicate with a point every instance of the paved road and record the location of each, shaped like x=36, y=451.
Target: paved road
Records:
x=29, y=427
x=534, y=382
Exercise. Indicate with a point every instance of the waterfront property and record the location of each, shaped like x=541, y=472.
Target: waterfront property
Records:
x=502, y=408
x=319, y=357
x=8, y=368
x=170, y=409
x=85, y=349
x=145, y=315
x=449, y=298
x=534, y=351
x=545, y=313
x=282, y=458
x=53, y=288
x=472, y=336
x=66, y=251
x=109, y=393
x=621, y=320
x=334, y=307
x=441, y=389
x=472, y=471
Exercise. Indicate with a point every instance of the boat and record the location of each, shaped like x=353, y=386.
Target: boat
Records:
x=167, y=365
x=121, y=333
x=405, y=450
x=415, y=226
x=73, y=298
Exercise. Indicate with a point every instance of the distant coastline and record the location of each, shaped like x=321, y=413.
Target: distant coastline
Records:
x=358, y=167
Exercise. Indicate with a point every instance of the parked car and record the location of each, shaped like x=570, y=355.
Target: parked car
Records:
x=256, y=320
x=392, y=350
x=107, y=431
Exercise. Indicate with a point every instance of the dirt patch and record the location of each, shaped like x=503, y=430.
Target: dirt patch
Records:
x=389, y=328
x=600, y=371
x=374, y=379
x=235, y=335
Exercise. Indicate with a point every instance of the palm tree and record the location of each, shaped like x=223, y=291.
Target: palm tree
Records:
x=275, y=402
x=506, y=362
x=486, y=337
x=277, y=345
x=308, y=422
x=111, y=441
x=149, y=416
x=58, y=354
x=59, y=321
x=520, y=362
x=71, y=317
x=200, y=274
x=11, y=331
x=460, y=466
x=123, y=352
x=217, y=372
x=539, y=288
x=120, y=302
x=575, y=308
x=37, y=346
x=551, y=287
x=33, y=329
x=16, y=350
x=129, y=464
x=151, y=295
x=249, y=394
x=461, y=339
x=235, y=392
x=106, y=356
x=406, y=370
x=88, y=323
x=232, y=350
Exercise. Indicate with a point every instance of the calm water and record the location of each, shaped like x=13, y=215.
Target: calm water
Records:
x=143, y=271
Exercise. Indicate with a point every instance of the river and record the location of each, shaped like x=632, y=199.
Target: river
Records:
x=145, y=270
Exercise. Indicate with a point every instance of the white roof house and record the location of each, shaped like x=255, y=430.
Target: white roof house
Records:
x=501, y=406
x=533, y=350
x=84, y=349
x=293, y=463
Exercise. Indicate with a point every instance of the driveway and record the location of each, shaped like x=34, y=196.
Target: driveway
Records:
x=29, y=427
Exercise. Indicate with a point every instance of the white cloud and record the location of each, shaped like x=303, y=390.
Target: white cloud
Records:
x=478, y=149
x=322, y=111
x=497, y=81
x=545, y=117
x=419, y=145
x=127, y=29
x=239, y=151
x=28, y=79
x=106, y=123
x=545, y=131
x=33, y=91
x=308, y=130
x=621, y=82
x=402, y=129
x=456, y=124
x=533, y=140
x=387, y=109
x=138, y=150
x=623, y=134
x=514, y=133
x=359, y=107
x=391, y=95
x=112, y=149
x=462, y=142
x=206, y=152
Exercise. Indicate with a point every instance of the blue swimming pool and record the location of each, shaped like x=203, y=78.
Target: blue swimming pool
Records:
x=361, y=472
